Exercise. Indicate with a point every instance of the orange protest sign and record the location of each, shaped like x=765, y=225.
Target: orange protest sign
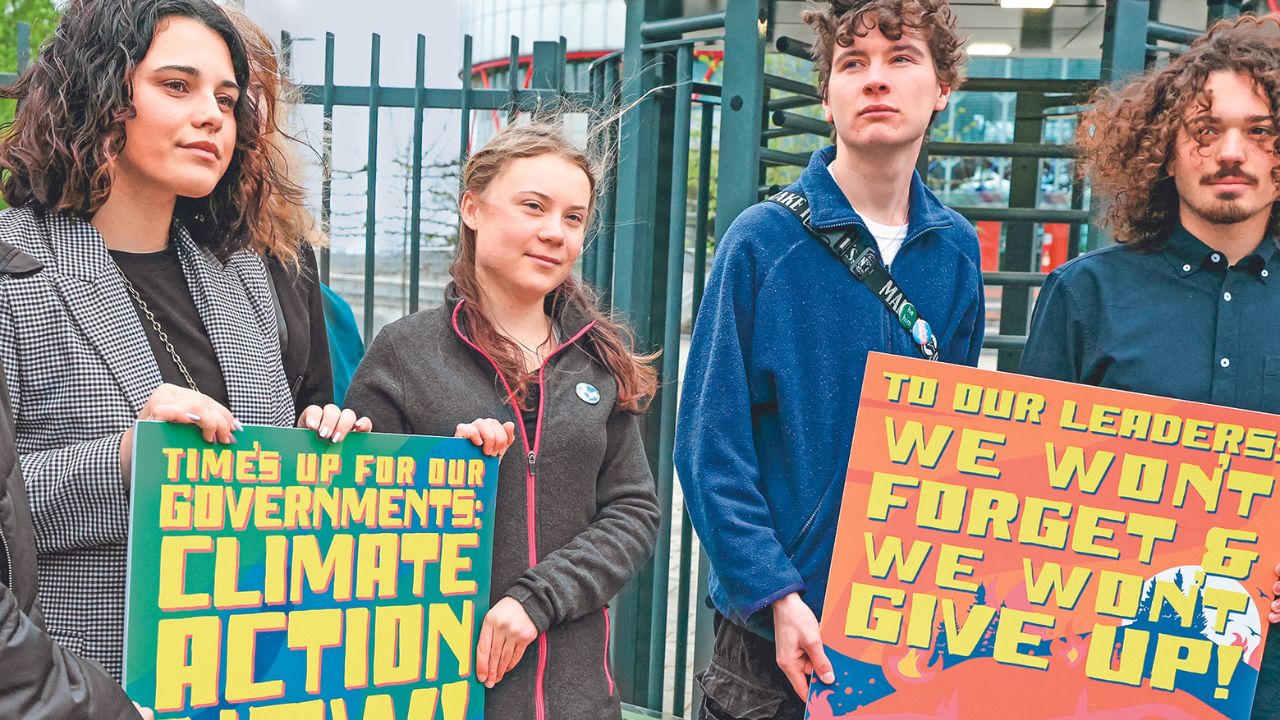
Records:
x=1017, y=547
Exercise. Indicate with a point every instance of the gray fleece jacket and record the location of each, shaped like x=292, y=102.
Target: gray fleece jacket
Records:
x=576, y=514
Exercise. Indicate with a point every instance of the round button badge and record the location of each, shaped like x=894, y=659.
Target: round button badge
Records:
x=921, y=332
x=908, y=316
x=588, y=393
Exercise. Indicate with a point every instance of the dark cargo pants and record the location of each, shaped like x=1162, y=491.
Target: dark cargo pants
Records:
x=743, y=681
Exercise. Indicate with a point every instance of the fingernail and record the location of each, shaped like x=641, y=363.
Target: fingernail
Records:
x=238, y=426
x=193, y=417
x=232, y=440
x=337, y=436
x=313, y=423
x=324, y=431
x=829, y=678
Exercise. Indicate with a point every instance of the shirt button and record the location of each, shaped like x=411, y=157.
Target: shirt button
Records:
x=1226, y=296
x=1226, y=362
x=1215, y=257
x=1186, y=268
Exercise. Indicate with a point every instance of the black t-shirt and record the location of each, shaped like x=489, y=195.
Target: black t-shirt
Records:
x=529, y=413
x=159, y=279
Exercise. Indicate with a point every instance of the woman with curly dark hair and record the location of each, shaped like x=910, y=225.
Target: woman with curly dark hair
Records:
x=138, y=178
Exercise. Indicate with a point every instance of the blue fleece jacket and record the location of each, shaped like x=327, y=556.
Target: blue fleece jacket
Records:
x=771, y=388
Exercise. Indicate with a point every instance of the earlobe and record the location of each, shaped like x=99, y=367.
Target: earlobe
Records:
x=467, y=210
x=944, y=96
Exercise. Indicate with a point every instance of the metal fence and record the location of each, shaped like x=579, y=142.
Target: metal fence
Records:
x=546, y=86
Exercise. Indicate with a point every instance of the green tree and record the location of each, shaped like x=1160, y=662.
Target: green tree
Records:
x=42, y=16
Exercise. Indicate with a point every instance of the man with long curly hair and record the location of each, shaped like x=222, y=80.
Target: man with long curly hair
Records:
x=857, y=256
x=1185, y=305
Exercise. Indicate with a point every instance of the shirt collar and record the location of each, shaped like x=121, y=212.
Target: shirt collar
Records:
x=829, y=208
x=1189, y=255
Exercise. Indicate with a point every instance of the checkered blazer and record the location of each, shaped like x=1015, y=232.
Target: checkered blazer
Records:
x=79, y=370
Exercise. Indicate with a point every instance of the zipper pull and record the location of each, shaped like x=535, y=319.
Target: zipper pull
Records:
x=531, y=459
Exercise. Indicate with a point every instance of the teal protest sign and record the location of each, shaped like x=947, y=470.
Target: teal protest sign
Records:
x=287, y=577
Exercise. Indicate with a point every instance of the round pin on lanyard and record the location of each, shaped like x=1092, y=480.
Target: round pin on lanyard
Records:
x=923, y=335
x=920, y=331
x=864, y=263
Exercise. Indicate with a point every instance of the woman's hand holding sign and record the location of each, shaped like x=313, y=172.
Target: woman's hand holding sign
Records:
x=332, y=422
x=506, y=633
x=170, y=403
x=492, y=437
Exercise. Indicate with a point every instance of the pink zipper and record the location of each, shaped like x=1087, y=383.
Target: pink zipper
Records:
x=608, y=676
x=531, y=487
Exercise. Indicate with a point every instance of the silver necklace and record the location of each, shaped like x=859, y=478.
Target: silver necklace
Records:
x=536, y=352
x=164, y=337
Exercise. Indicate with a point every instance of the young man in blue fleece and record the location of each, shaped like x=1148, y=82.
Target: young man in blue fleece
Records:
x=774, y=373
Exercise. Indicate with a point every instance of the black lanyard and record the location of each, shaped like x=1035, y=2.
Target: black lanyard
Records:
x=864, y=262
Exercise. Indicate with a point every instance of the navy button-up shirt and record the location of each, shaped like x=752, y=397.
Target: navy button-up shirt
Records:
x=1177, y=322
